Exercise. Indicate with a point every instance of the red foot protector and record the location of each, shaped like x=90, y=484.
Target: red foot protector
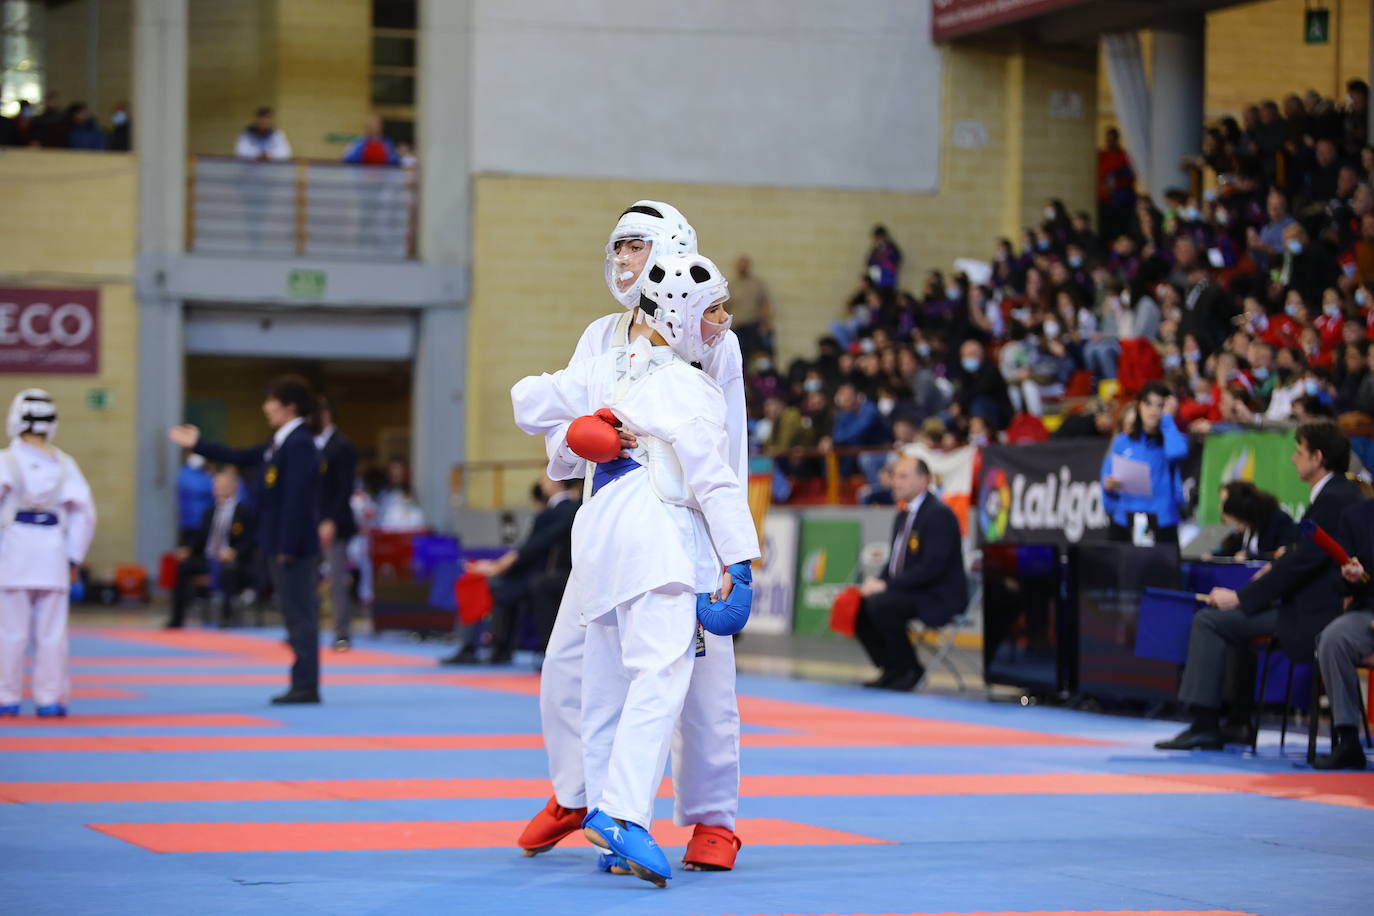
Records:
x=595, y=437
x=845, y=611
x=550, y=825
x=712, y=848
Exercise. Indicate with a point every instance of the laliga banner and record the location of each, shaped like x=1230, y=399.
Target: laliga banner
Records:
x=1043, y=493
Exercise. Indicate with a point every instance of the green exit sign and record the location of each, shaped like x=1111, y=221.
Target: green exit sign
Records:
x=306, y=284
x=1316, y=28
x=98, y=399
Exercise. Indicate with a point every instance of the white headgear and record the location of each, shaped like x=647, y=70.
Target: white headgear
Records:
x=662, y=227
x=32, y=411
x=677, y=292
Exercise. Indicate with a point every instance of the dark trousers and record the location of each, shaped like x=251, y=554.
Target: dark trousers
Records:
x=294, y=581
x=1219, y=637
x=535, y=596
x=881, y=629
x=231, y=582
x=1343, y=645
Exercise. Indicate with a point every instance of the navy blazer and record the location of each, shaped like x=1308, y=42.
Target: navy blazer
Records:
x=933, y=564
x=1305, y=582
x=288, y=490
x=550, y=528
x=1356, y=535
x=338, y=468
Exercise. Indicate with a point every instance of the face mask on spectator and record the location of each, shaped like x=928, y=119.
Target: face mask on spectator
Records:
x=1260, y=373
x=1022, y=315
x=1294, y=246
x=1312, y=387
x=1203, y=397
x=1259, y=322
x=763, y=365
x=923, y=349
x=1223, y=217
x=1049, y=214
x=866, y=345
x=1172, y=361
x=885, y=405
x=970, y=364
x=1125, y=297
x=1051, y=329
x=1075, y=261
x=978, y=440
x=1191, y=214
x=1361, y=297
x=1292, y=309
x=1192, y=356
x=1332, y=308
x=812, y=384
x=952, y=292
x=1043, y=244
x=119, y=118
x=1002, y=255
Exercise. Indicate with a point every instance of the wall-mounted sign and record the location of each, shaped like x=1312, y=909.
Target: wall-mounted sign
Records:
x=1316, y=27
x=969, y=135
x=952, y=18
x=306, y=284
x=49, y=331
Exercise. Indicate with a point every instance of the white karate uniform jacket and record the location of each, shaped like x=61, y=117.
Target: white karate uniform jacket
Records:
x=36, y=557
x=627, y=540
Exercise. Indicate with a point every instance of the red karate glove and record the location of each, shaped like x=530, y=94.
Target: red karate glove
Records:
x=595, y=437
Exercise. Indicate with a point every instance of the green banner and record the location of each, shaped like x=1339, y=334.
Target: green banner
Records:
x=829, y=558
x=1265, y=459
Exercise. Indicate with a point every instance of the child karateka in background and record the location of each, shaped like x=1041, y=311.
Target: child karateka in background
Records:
x=650, y=540
x=706, y=744
x=47, y=520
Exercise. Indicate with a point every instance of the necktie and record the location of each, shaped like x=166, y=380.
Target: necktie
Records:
x=894, y=564
x=223, y=513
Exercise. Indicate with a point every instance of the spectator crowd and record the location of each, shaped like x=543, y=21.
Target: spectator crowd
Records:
x=72, y=126
x=1248, y=295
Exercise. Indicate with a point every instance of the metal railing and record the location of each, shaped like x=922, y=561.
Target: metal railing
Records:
x=300, y=207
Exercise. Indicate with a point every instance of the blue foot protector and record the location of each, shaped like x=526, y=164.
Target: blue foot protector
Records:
x=609, y=861
x=55, y=711
x=631, y=842
x=9, y=710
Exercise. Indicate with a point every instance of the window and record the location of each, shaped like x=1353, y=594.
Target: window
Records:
x=394, y=27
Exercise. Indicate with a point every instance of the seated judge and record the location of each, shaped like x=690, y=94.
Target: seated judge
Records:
x=1293, y=597
x=1259, y=526
x=218, y=553
x=924, y=578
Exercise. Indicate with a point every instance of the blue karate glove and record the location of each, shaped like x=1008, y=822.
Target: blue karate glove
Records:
x=728, y=616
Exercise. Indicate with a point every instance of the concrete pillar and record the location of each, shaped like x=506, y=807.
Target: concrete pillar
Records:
x=443, y=125
x=160, y=144
x=438, y=407
x=1176, y=99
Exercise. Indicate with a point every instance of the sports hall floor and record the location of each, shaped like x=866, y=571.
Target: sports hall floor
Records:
x=175, y=788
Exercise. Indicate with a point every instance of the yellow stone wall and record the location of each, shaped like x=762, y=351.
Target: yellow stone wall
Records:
x=539, y=242
x=323, y=52
x=230, y=71
x=71, y=223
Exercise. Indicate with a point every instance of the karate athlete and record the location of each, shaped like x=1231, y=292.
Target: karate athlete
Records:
x=47, y=520
x=706, y=744
x=652, y=538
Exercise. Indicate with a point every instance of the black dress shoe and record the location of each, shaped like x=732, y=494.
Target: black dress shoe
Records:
x=292, y=697
x=903, y=682
x=1193, y=739
x=465, y=656
x=1346, y=754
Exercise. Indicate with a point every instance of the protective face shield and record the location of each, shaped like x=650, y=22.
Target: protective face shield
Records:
x=677, y=292
x=646, y=231
x=32, y=411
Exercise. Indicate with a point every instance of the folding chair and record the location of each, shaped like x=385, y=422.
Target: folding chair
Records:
x=946, y=636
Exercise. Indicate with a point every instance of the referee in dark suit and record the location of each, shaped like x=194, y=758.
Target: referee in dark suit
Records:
x=924, y=578
x=338, y=469
x=1294, y=598
x=288, y=470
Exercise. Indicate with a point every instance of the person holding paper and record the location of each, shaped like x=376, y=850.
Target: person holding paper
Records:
x=1141, y=485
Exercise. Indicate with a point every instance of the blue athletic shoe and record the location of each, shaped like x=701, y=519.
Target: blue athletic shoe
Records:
x=616, y=865
x=55, y=711
x=9, y=710
x=632, y=843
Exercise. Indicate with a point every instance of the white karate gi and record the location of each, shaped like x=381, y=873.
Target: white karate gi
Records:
x=35, y=577
x=706, y=742
x=638, y=563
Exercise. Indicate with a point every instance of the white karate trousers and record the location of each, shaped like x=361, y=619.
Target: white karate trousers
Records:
x=40, y=615
x=705, y=745
x=637, y=666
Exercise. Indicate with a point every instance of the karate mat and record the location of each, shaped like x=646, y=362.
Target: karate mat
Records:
x=175, y=788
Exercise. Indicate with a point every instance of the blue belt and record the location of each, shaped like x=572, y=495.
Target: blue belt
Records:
x=36, y=518
x=610, y=470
